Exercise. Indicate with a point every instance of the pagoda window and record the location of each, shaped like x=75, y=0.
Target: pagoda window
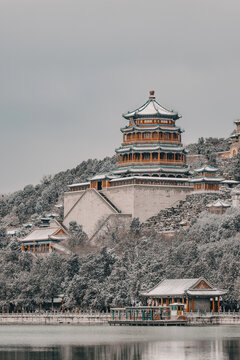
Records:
x=163, y=175
x=136, y=156
x=179, y=176
x=170, y=156
x=171, y=176
x=166, y=135
x=162, y=156
x=147, y=135
x=138, y=135
x=155, y=175
x=128, y=136
x=155, y=156
x=130, y=156
x=160, y=135
x=175, y=136
x=155, y=135
x=146, y=156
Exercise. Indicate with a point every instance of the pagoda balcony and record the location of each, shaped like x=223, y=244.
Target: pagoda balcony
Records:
x=152, y=162
x=153, y=141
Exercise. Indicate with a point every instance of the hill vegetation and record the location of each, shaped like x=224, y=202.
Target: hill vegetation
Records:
x=125, y=262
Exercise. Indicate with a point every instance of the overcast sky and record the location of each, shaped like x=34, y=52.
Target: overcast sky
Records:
x=70, y=68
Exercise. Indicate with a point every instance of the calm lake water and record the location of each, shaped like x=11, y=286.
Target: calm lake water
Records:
x=25, y=342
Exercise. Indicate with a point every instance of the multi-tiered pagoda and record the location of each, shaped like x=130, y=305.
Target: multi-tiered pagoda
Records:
x=152, y=144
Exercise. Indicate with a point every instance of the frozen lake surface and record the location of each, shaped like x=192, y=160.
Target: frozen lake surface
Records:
x=48, y=342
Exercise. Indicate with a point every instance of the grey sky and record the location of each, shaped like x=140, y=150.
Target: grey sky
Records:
x=70, y=68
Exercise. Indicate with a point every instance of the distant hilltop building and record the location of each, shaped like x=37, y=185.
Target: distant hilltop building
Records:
x=235, y=144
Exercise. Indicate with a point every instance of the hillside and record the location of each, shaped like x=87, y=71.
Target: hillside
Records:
x=20, y=206
x=125, y=261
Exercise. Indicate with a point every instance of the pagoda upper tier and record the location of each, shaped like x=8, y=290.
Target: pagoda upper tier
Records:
x=152, y=139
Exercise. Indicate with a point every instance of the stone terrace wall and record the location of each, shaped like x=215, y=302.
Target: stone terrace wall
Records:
x=195, y=203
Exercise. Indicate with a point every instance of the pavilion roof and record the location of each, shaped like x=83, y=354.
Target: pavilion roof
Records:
x=45, y=234
x=152, y=109
x=180, y=287
x=219, y=203
x=206, y=168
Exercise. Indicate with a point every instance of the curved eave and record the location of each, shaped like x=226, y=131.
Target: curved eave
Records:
x=206, y=180
x=152, y=147
x=137, y=116
x=156, y=111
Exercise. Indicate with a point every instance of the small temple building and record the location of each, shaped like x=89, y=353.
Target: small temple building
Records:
x=206, y=180
x=235, y=143
x=151, y=174
x=196, y=294
x=44, y=239
x=218, y=207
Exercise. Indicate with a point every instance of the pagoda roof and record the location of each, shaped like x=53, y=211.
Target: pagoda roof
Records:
x=152, y=109
x=149, y=147
x=149, y=168
x=206, y=168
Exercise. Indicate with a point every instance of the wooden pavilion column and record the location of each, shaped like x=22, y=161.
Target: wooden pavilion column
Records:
x=172, y=300
x=183, y=300
x=167, y=302
x=187, y=305
x=141, y=156
x=192, y=304
x=213, y=305
x=161, y=301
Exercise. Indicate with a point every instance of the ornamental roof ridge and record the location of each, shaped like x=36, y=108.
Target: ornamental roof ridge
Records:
x=152, y=108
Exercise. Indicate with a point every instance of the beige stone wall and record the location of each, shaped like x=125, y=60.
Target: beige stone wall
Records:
x=89, y=211
x=144, y=201
x=149, y=200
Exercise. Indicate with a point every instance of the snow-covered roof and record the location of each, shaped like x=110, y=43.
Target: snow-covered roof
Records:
x=171, y=287
x=163, y=169
x=230, y=182
x=211, y=292
x=206, y=179
x=206, y=168
x=42, y=234
x=99, y=177
x=79, y=184
x=219, y=203
x=237, y=121
x=152, y=178
x=152, y=147
x=152, y=109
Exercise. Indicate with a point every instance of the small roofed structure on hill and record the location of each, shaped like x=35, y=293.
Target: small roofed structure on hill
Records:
x=236, y=197
x=206, y=179
x=43, y=240
x=218, y=207
x=234, y=144
x=196, y=294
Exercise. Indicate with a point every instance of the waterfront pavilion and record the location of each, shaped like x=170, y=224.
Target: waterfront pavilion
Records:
x=196, y=294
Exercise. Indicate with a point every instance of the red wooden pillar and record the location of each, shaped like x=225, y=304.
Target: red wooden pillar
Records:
x=187, y=305
x=213, y=305
x=161, y=301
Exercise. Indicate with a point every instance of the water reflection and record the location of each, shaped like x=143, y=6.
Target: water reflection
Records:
x=221, y=349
